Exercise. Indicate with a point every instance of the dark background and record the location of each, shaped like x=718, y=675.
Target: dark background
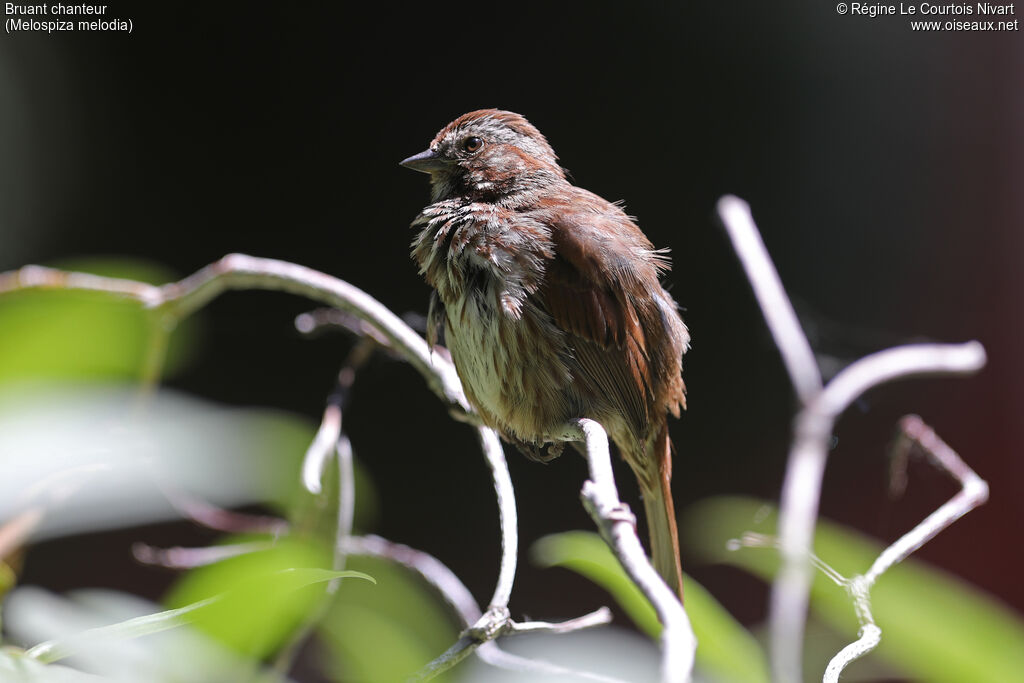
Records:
x=884, y=168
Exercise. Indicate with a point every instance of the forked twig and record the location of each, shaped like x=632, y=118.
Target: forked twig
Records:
x=973, y=492
x=173, y=302
x=177, y=300
x=455, y=593
x=618, y=528
x=819, y=409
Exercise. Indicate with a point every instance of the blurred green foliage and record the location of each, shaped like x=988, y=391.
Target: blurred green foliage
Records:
x=77, y=343
x=16, y=667
x=74, y=335
x=935, y=627
x=725, y=650
x=388, y=631
x=263, y=599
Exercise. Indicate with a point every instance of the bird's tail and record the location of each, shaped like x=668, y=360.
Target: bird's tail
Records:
x=655, y=487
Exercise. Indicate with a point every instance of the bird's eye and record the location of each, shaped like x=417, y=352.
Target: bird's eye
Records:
x=472, y=144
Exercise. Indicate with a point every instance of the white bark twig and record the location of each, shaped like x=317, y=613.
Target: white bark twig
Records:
x=329, y=434
x=771, y=297
x=973, y=492
x=618, y=527
x=190, y=558
x=820, y=407
x=495, y=456
x=218, y=519
x=801, y=492
x=321, y=448
x=435, y=572
x=175, y=301
x=495, y=656
x=496, y=621
x=343, y=531
x=455, y=593
x=598, y=617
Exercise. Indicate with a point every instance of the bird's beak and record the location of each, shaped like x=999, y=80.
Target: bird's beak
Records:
x=425, y=162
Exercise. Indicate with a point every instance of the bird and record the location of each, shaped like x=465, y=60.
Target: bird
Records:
x=552, y=306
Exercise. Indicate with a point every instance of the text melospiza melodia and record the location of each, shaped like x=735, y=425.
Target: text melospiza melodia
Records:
x=551, y=304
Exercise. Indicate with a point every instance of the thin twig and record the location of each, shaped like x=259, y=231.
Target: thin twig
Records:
x=618, y=527
x=219, y=519
x=346, y=507
x=496, y=620
x=495, y=656
x=598, y=617
x=802, y=486
x=973, y=492
x=175, y=301
x=455, y=593
x=331, y=440
x=329, y=434
x=321, y=448
x=820, y=407
x=870, y=637
x=343, y=531
x=435, y=572
x=771, y=297
x=190, y=558
x=495, y=456
x=316, y=321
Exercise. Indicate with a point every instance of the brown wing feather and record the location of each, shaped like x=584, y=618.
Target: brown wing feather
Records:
x=596, y=289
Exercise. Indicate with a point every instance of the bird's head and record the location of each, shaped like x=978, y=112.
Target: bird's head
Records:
x=487, y=153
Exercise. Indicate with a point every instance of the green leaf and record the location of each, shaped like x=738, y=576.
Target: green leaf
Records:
x=585, y=553
x=207, y=611
x=725, y=650
x=935, y=627
x=55, y=650
x=62, y=334
x=388, y=633
x=261, y=596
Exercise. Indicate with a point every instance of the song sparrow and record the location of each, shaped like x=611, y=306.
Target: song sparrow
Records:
x=551, y=304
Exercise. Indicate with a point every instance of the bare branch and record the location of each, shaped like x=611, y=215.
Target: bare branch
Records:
x=343, y=531
x=495, y=656
x=802, y=486
x=870, y=637
x=237, y=271
x=771, y=297
x=477, y=637
x=219, y=519
x=329, y=435
x=598, y=617
x=820, y=407
x=618, y=527
x=315, y=321
x=320, y=450
x=507, y=516
x=189, y=558
x=436, y=573
x=974, y=492
x=900, y=362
